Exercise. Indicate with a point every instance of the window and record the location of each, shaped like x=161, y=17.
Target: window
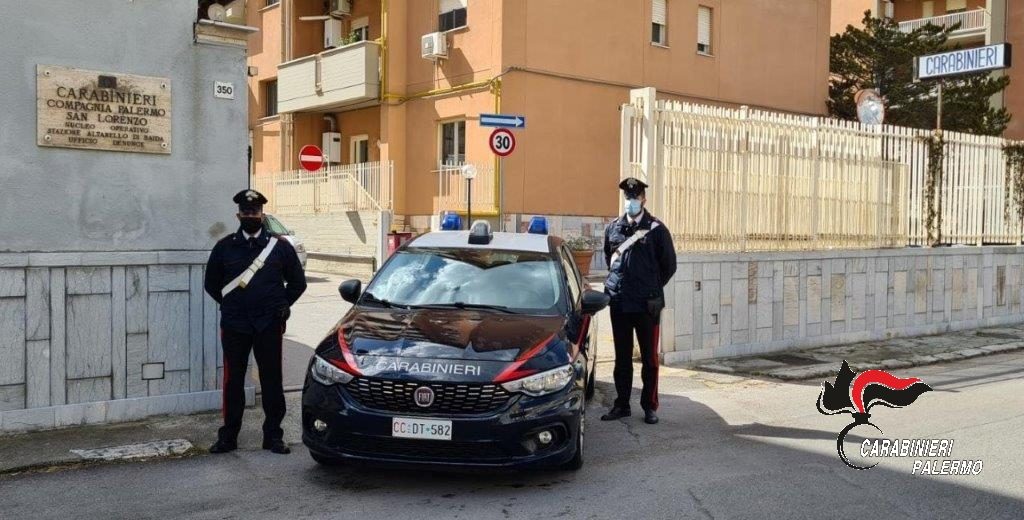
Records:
x=361, y=30
x=453, y=143
x=453, y=15
x=571, y=276
x=272, y=2
x=275, y=226
x=522, y=282
x=360, y=149
x=658, y=17
x=927, y=9
x=704, y=30
x=270, y=98
x=956, y=6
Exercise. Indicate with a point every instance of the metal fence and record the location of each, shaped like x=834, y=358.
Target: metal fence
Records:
x=334, y=189
x=741, y=180
x=452, y=189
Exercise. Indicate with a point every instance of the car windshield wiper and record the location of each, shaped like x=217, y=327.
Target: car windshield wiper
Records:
x=463, y=305
x=370, y=298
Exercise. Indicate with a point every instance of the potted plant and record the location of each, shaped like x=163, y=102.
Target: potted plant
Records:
x=582, y=249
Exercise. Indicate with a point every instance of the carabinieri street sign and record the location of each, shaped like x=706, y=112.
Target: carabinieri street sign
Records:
x=962, y=61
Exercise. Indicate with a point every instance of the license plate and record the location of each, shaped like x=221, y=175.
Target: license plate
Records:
x=411, y=428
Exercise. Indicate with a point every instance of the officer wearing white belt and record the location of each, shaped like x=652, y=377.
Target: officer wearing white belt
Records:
x=255, y=277
x=641, y=260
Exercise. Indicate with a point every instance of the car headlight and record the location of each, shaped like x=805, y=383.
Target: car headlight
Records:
x=327, y=374
x=543, y=383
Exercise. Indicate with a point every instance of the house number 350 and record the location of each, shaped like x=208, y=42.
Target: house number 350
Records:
x=224, y=90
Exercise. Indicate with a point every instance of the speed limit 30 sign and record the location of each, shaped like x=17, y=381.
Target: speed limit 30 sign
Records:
x=502, y=142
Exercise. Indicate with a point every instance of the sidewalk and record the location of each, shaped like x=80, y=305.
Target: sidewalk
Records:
x=889, y=354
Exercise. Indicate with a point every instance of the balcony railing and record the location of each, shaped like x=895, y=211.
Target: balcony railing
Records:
x=345, y=77
x=972, y=23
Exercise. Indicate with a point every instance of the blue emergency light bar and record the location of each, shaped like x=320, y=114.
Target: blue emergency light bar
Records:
x=451, y=221
x=538, y=225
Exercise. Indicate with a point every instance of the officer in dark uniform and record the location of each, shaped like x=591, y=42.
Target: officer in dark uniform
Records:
x=255, y=277
x=641, y=260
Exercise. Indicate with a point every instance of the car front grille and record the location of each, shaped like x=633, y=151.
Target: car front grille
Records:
x=421, y=449
x=449, y=398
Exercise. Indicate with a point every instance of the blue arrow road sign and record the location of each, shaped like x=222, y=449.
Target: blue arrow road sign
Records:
x=503, y=120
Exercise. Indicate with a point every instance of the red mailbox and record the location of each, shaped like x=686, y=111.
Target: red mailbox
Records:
x=395, y=240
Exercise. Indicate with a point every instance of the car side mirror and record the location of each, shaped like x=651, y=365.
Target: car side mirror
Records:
x=350, y=290
x=594, y=301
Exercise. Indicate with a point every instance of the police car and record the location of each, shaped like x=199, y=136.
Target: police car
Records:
x=467, y=348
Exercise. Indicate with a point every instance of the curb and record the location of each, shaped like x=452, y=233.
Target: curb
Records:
x=827, y=370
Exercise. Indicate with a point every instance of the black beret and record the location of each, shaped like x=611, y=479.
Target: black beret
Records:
x=632, y=186
x=249, y=199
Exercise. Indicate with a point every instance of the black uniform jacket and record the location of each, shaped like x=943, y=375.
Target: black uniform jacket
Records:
x=640, y=274
x=276, y=286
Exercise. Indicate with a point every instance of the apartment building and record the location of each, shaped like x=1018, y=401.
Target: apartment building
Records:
x=982, y=22
x=358, y=72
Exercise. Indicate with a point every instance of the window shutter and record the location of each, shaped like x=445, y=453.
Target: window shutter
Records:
x=658, y=11
x=451, y=5
x=954, y=5
x=704, y=27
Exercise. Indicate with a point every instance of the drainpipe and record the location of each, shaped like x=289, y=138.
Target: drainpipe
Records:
x=332, y=122
x=285, y=120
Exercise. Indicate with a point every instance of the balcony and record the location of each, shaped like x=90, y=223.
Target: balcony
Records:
x=973, y=24
x=338, y=79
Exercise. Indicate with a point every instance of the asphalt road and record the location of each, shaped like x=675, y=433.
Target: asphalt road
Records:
x=727, y=447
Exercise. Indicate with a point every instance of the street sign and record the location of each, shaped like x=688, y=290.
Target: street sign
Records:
x=503, y=120
x=311, y=158
x=962, y=61
x=502, y=142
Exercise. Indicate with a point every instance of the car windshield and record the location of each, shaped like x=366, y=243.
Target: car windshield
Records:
x=516, y=281
x=275, y=226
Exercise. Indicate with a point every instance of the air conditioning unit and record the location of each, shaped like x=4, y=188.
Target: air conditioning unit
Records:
x=334, y=31
x=341, y=8
x=434, y=46
x=332, y=146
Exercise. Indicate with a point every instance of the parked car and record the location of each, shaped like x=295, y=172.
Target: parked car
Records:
x=467, y=348
x=275, y=226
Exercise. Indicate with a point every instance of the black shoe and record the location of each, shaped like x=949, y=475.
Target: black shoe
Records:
x=617, y=412
x=650, y=417
x=277, y=446
x=223, y=447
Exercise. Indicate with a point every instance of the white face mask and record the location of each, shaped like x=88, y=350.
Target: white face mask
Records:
x=632, y=207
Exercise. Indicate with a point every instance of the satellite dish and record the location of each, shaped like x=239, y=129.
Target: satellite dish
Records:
x=217, y=13
x=870, y=107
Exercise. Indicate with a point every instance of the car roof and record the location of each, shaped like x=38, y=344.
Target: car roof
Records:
x=502, y=241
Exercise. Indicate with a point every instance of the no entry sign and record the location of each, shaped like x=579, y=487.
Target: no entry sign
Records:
x=502, y=142
x=311, y=158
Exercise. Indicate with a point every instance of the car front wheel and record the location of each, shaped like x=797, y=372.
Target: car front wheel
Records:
x=576, y=462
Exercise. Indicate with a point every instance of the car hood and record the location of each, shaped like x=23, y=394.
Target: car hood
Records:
x=447, y=334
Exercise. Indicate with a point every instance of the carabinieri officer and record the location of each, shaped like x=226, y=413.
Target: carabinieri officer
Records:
x=641, y=260
x=255, y=276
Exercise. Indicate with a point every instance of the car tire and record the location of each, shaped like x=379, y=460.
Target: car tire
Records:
x=576, y=462
x=324, y=461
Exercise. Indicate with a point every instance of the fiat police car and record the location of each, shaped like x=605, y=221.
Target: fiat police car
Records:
x=467, y=348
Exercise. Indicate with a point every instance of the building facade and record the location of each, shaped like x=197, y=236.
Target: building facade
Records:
x=982, y=22
x=119, y=163
x=565, y=65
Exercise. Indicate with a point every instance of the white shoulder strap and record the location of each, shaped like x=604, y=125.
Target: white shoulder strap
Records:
x=623, y=247
x=243, y=279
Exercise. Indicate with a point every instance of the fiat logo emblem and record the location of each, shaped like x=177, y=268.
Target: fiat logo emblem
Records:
x=423, y=396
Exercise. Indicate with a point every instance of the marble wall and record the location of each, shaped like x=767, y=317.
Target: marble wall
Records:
x=723, y=305
x=98, y=337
